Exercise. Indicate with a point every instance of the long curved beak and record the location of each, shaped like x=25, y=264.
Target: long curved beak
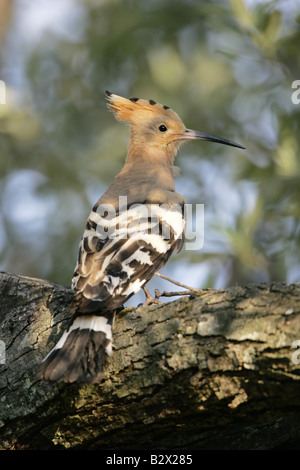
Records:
x=189, y=134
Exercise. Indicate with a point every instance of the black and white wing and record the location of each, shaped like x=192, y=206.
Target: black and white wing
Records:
x=118, y=255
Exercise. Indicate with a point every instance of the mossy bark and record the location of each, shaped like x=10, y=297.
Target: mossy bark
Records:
x=218, y=370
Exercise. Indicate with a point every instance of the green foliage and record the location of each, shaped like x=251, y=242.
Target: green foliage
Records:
x=226, y=67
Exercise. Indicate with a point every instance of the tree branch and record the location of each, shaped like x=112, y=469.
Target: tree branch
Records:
x=214, y=370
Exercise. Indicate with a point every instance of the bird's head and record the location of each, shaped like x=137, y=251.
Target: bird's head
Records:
x=156, y=130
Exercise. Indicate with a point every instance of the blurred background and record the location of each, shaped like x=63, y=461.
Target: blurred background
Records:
x=226, y=67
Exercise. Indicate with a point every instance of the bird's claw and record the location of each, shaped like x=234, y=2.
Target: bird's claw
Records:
x=150, y=300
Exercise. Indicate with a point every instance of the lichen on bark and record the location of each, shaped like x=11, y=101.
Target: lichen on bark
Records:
x=213, y=370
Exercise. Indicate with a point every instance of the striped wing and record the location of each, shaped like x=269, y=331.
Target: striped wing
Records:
x=120, y=252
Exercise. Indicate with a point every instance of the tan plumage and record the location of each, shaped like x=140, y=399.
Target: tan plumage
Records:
x=130, y=234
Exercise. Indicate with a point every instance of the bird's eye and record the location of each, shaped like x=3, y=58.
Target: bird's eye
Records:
x=162, y=128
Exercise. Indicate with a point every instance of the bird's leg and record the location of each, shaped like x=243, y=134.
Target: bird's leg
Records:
x=189, y=291
x=155, y=300
x=149, y=299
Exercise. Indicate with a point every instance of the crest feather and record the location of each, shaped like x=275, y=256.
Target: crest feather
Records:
x=132, y=110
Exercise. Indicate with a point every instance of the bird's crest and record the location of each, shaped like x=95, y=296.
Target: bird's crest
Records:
x=133, y=109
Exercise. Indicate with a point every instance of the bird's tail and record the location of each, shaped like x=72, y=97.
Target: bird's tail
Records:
x=81, y=352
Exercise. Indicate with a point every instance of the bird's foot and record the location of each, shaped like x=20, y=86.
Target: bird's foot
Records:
x=189, y=290
x=150, y=300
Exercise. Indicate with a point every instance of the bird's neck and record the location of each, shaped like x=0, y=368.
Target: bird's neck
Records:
x=143, y=153
x=153, y=165
x=142, y=180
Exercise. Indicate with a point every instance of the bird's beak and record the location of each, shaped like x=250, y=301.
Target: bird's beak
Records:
x=189, y=134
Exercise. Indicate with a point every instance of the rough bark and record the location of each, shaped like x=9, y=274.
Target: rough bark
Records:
x=216, y=370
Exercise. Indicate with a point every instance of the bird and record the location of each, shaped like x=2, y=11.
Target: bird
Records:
x=130, y=234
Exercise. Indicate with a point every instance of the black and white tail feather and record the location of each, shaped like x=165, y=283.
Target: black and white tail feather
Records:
x=79, y=355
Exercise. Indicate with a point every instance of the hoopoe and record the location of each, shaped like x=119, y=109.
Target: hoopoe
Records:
x=124, y=242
